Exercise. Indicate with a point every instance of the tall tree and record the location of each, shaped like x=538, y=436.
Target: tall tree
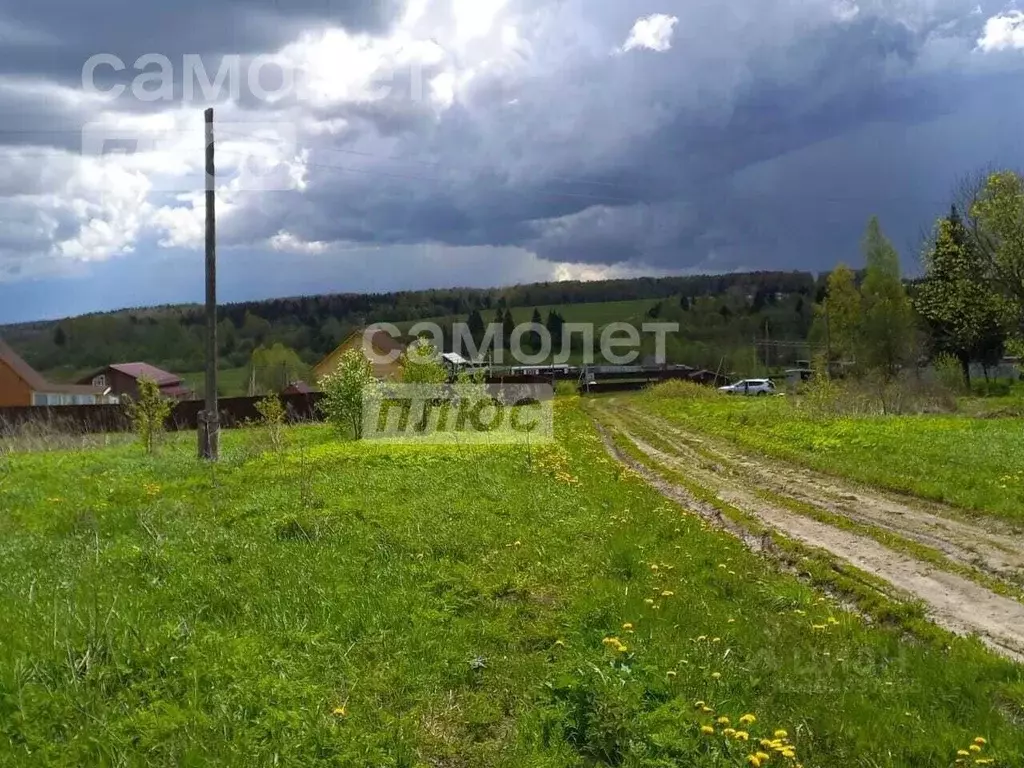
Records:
x=508, y=325
x=475, y=323
x=965, y=314
x=838, y=315
x=997, y=218
x=887, y=325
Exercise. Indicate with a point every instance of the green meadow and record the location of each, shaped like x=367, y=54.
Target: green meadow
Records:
x=344, y=604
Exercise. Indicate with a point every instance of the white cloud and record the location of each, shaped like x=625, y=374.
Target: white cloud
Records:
x=286, y=242
x=1003, y=31
x=653, y=32
x=846, y=10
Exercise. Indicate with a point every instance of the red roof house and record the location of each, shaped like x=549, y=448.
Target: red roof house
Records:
x=123, y=379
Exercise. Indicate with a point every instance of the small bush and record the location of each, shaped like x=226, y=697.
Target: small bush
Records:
x=680, y=388
x=566, y=389
x=272, y=413
x=344, y=391
x=148, y=414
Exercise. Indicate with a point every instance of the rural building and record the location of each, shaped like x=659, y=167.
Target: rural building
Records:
x=123, y=379
x=383, y=345
x=22, y=385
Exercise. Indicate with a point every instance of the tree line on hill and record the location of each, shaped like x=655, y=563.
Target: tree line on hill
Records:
x=968, y=305
x=309, y=327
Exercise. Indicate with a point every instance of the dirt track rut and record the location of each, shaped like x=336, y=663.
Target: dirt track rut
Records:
x=953, y=601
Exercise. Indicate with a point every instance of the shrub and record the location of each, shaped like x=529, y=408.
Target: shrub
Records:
x=148, y=413
x=272, y=413
x=566, y=389
x=680, y=388
x=344, y=391
x=421, y=364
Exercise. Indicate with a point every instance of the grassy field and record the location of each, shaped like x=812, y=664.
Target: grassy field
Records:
x=973, y=463
x=342, y=604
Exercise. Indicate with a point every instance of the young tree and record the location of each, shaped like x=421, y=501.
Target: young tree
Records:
x=148, y=413
x=346, y=389
x=966, y=315
x=887, y=325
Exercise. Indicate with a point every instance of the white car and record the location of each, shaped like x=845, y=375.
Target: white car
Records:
x=750, y=387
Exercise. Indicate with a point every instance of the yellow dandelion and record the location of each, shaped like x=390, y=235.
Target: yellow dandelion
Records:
x=748, y=719
x=975, y=748
x=666, y=593
x=628, y=627
x=707, y=730
x=765, y=743
x=723, y=720
x=780, y=734
x=340, y=712
x=762, y=756
x=788, y=753
x=754, y=760
x=716, y=675
x=742, y=736
x=963, y=753
x=707, y=710
x=984, y=761
x=980, y=740
x=654, y=567
x=728, y=732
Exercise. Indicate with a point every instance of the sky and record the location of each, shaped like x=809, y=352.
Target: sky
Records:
x=375, y=145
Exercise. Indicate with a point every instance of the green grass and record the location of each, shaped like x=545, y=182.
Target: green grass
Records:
x=157, y=612
x=973, y=463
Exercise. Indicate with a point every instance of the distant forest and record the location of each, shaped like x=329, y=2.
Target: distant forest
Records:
x=716, y=312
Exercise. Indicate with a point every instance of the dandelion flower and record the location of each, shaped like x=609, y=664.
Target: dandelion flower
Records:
x=789, y=753
x=754, y=760
x=654, y=567
x=742, y=736
x=780, y=734
x=748, y=719
x=707, y=730
x=980, y=740
x=716, y=675
x=627, y=626
x=707, y=710
x=762, y=756
x=728, y=732
x=963, y=753
x=975, y=748
x=984, y=761
x=340, y=712
x=723, y=720
x=666, y=593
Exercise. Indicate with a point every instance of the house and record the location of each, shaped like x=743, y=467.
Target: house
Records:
x=123, y=379
x=22, y=385
x=384, y=354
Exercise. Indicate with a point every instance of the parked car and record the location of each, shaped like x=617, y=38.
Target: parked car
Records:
x=750, y=387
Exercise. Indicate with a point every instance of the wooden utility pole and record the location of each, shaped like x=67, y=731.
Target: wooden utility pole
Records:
x=209, y=419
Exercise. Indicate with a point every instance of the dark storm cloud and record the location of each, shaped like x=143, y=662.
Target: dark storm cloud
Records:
x=763, y=136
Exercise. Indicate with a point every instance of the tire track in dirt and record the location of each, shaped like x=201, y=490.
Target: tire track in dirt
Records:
x=953, y=602
x=989, y=546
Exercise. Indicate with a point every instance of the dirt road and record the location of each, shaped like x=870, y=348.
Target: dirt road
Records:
x=786, y=498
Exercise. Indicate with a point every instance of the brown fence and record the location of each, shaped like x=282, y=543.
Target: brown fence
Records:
x=234, y=412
